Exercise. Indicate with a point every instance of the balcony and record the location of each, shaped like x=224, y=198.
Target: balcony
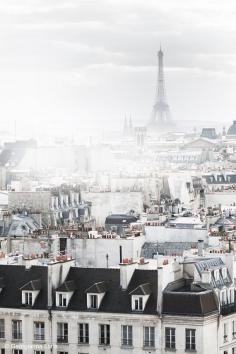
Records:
x=227, y=309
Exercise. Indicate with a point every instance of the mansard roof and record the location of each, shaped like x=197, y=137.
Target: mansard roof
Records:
x=17, y=278
x=180, y=299
x=115, y=299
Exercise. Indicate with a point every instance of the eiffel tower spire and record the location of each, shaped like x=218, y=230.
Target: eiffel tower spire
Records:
x=161, y=110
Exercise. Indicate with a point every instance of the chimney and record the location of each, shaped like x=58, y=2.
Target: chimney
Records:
x=159, y=289
x=127, y=268
x=200, y=248
x=57, y=273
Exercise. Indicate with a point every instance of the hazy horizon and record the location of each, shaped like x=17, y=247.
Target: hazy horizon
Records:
x=69, y=67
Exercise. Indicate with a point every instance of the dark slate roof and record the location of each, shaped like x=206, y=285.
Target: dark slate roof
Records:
x=98, y=288
x=209, y=133
x=232, y=129
x=120, y=219
x=2, y=284
x=180, y=300
x=14, y=278
x=67, y=286
x=220, y=178
x=32, y=285
x=115, y=299
x=143, y=289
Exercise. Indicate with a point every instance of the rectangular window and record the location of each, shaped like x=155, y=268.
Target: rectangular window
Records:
x=28, y=299
x=190, y=339
x=3, y=351
x=16, y=330
x=83, y=333
x=17, y=351
x=234, y=350
x=170, y=338
x=62, y=332
x=149, y=337
x=104, y=334
x=93, y=301
x=2, y=329
x=225, y=332
x=127, y=336
x=62, y=300
x=39, y=352
x=39, y=331
x=138, y=304
x=234, y=329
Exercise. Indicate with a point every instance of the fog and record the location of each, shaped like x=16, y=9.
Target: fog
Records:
x=76, y=68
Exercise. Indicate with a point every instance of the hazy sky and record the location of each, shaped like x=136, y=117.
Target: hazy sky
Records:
x=66, y=65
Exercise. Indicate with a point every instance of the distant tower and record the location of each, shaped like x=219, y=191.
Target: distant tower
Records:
x=161, y=111
x=125, y=128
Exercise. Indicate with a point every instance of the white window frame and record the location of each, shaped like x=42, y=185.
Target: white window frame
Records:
x=104, y=334
x=170, y=337
x=62, y=332
x=149, y=337
x=39, y=330
x=126, y=336
x=190, y=339
x=83, y=335
x=16, y=330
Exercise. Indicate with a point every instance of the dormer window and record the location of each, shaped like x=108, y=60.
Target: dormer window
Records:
x=138, y=304
x=216, y=274
x=139, y=297
x=30, y=292
x=95, y=294
x=64, y=293
x=224, y=273
x=61, y=300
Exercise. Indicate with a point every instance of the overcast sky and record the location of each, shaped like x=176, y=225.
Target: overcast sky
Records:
x=68, y=64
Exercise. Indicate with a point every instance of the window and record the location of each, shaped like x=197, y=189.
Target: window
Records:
x=225, y=332
x=234, y=329
x=224, y=273
x=2, y=351
x=62, y=352
x=2, y=329
x=216, y=274
x=149, y=337
x=39, y=352
x=83, y=333
x=17, y=351
x=62, y=332
x=190, y=339
x=62, y=300
x=231, y=296
x=234, y=350
x=127, y=335
x=28, y=299
x=223, y=297
x=93, y=301
x=16, y=329
x=138, y=304
x=170, y=338
x=104, y=334
x=39, y=331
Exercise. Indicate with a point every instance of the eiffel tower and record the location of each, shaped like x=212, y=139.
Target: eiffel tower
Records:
x=161, y=110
